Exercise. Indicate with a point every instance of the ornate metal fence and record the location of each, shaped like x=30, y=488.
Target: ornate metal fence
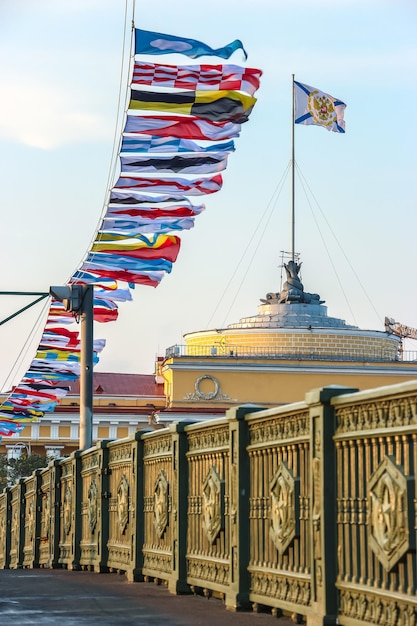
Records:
x=376, y=457
x=309, y=509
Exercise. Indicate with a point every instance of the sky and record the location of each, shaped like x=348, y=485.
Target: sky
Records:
x=62, y=66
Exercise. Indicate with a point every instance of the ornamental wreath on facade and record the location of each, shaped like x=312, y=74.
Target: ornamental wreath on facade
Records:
x=200, y=395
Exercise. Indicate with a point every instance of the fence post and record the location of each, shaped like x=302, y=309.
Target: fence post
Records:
x=323, y=505
x=239, y=506
x=5, y=529
x=55, y=502
x=180, y=470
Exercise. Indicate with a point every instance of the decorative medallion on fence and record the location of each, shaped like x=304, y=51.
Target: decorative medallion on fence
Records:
x=161, y=503
x=15, y=529
x=92, y=505
x=31, y=521
x=212, y=509
x=46, y=517
x=123, y=503
x=283, y=516
x=388, y=513
x=67, y=510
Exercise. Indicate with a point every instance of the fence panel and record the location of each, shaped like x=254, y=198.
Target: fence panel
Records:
x=17, y=504
x=376, y=452
x=50, y=492
x=94, y=507
x=31, y=513
x=5, y=524
x=125, y=506
x=279, y=509
x=70, y=512
x=165, y=506
x=216, y=546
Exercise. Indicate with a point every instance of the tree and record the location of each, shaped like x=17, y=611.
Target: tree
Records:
x=3, y=471
x=13, y=469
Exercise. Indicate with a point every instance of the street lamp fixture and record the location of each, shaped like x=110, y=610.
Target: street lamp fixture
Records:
x=79, y=299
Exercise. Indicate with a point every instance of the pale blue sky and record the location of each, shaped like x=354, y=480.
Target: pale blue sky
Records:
x=60, y=71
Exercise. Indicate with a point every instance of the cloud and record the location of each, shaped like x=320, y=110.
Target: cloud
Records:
x=41, y=116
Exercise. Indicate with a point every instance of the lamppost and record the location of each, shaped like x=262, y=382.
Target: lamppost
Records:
x=79, y=300
x=15, y=451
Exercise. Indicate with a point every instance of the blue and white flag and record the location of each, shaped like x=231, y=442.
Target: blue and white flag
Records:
x=111, y=261
x=312, y=106
x=149, y=42
x=151, y=143
x=138, y=225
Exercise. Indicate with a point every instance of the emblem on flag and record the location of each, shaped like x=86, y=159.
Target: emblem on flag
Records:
x=321, y=108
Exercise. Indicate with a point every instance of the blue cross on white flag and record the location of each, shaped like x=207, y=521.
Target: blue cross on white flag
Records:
x=312, y=106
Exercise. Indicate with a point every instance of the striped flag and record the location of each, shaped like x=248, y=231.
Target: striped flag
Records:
x=183, y=127
x=149, y=143
x=217, y=106
x=100, y=259
x=179, y=210
x=192, y=187
x=137, y=197
x=169, y=248
x=137, y=225
x=151, y=279
x=187, y=164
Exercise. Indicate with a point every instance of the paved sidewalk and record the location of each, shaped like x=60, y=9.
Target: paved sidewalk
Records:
x=44, y=597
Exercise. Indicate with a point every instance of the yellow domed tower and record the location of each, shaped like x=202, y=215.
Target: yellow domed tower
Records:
x=290, y=347
x=294, y=324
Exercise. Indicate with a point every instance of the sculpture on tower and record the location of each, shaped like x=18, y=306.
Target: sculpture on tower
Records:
x=293, y=290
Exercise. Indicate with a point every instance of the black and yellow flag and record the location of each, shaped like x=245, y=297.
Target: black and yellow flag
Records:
x=217, y=106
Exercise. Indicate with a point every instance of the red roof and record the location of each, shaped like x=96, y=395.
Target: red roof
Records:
x=110, y=384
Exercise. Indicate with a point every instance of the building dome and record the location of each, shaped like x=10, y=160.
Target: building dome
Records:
x=294, y=324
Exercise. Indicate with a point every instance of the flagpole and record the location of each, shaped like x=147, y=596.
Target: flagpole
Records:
x=292, y=178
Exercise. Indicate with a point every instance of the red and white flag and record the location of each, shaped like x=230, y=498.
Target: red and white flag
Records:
x=192, y=187
x=201, y=77
x=183, y=126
